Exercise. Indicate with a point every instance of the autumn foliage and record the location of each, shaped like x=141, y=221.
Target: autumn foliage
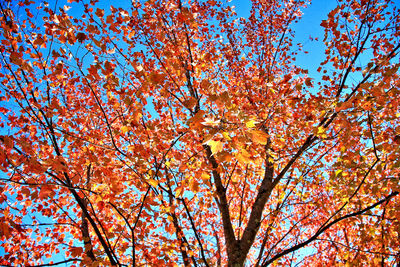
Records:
x=170, y=133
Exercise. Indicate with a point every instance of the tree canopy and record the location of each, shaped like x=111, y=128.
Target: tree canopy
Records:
x=170, y=133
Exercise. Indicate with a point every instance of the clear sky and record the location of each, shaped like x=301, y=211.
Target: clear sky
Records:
x=308, y=26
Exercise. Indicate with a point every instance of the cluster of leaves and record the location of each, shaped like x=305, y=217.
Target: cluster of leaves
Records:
x=165, y=133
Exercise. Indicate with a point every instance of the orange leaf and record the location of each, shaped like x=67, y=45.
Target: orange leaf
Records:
x=259, y=137
x=76, y=251
x=243, y=156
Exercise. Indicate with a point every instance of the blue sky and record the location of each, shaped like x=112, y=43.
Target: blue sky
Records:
x=308, y=26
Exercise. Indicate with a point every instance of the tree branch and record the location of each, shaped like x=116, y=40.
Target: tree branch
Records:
x=326, y=227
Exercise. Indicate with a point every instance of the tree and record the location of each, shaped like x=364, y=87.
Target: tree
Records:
x=178, y=133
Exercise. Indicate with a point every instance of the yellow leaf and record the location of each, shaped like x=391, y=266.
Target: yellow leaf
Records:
x=205, y=177
x=216, y=146
x=234, y=179
x=124, y=129
x=179, y=192
x=250, y=124
x=321, y=132
x=226, y=136
x=153, y=182
x=169, y=218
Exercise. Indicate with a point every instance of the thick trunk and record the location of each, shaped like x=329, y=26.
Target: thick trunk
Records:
x=236, y=257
